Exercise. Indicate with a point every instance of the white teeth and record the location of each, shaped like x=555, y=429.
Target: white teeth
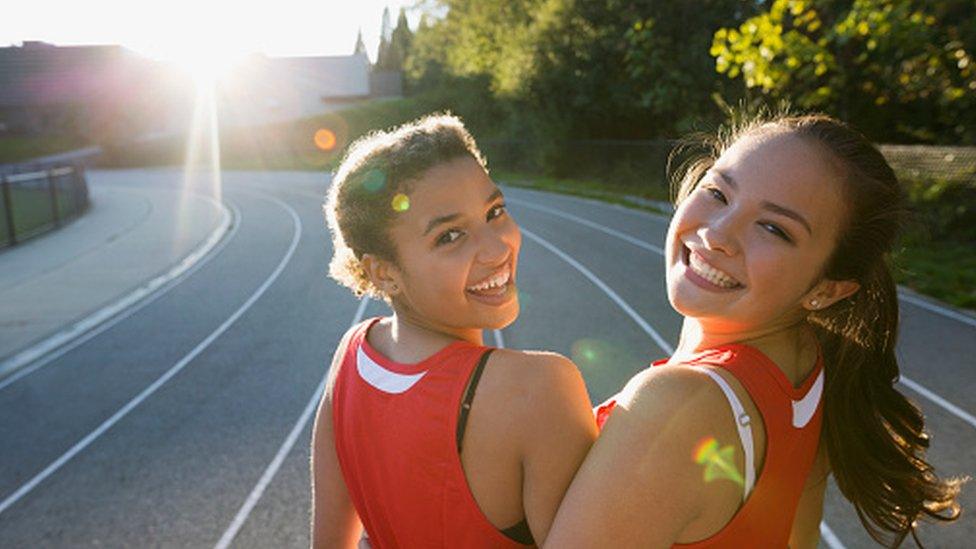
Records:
x=495, y=281
x=710, y=273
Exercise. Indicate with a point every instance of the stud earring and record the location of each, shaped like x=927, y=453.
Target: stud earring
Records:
x=814, y=303
x=394, y=288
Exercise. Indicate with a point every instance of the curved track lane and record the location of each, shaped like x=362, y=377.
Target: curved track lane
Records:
x=218, y=453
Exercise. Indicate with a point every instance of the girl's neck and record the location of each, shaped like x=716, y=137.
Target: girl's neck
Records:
x=791, y=346
x=407, y=327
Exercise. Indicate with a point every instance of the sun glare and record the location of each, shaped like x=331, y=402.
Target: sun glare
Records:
x=205, y=63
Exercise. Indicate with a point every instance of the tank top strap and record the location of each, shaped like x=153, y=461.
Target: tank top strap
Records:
x=782, y=406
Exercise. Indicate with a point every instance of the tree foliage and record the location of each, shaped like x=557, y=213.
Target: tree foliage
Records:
x=395, y=44
x=902, y=70
x=899, y=69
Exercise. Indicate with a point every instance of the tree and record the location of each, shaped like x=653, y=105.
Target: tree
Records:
x=630, y=69
x=395, y=51
x=899, y=69
x=360, y=45
x=382, y=54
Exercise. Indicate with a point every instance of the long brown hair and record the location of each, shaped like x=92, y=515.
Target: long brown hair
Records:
x=875, y=436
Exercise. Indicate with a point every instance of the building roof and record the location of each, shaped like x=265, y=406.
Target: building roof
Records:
x=38, y=73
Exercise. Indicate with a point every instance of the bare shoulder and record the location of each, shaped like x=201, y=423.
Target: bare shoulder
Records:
x=547, y=387
x=532, y=366
x=677, y=394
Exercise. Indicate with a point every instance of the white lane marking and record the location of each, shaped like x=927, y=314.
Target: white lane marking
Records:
x=42, y=353
x=905, y=296
x=272, y=469
x=606, y=289
x=829, y=537
x=945, y=404
x=937, y=309
x=659, y=217
x=148, y=391
x=911, y=384
x=643, y=324
x=582, y=221
x=499, y=339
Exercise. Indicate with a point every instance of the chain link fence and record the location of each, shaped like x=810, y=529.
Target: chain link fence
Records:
x=644, y=165
x=931, y=163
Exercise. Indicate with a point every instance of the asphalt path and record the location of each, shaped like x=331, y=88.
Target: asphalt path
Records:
x=186, y=424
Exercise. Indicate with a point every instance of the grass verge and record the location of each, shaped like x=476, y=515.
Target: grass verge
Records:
x=17, y=149
x=944, y=270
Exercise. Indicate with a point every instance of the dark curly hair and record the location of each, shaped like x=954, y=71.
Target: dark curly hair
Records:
x=375, y=169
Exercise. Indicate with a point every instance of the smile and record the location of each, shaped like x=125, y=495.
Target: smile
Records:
x=494, y=284
x=709, y=272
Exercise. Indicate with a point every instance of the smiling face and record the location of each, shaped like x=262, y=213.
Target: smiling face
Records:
x=746, y=248
x=457, y=251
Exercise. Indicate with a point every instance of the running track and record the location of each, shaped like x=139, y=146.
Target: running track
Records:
x=186, y=424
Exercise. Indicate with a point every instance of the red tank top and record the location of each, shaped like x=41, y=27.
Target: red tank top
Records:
x=395, y=436
x=792, y=418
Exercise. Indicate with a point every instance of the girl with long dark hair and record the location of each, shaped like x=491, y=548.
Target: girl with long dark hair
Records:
x=777, y=257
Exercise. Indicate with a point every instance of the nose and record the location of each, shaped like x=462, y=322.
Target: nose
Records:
x=719, y=235
x=496, y=246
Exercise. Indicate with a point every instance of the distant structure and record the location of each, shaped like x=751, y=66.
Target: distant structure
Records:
x=109, y=92
x=95, y=91
x=272, y=89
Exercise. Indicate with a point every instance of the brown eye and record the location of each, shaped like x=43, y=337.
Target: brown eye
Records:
x=449, y=236
x=497, y=211
x=717, y=194
x=775, y=230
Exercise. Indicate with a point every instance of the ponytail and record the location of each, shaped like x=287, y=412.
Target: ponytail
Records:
x=874, y=435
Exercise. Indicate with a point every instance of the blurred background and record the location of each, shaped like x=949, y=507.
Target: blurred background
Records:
x=587, y=97
x=165, y=318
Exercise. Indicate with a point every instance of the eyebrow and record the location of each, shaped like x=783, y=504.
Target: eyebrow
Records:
x=766, y=205
x=440, y=220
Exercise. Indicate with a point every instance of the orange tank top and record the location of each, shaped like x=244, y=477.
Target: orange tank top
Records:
x=396, y=440
x=792, y=417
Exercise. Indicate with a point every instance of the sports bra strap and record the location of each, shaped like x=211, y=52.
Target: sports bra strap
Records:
x=469, y=397
x=742, y=423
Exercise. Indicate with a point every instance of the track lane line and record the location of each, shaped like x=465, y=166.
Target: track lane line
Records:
x=53, y=467
x=252, y=499
x=902, y=292
x=54, y=346
x=913, y=385
x=660, y=341
x=828, y=535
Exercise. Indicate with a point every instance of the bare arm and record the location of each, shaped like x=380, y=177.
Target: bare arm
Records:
x=639, y=485
x=559, y=430
x=334, y=519
x=806, y=524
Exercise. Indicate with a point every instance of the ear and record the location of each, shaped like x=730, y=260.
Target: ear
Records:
x=827, y=292
x=384, y=275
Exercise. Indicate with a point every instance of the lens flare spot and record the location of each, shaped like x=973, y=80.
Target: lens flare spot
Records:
x=325, y=139
x=374, y=180
x=400, y=203
x=718, y=461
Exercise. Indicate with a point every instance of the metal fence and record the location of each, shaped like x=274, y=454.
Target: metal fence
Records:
x=41, y=195
x=932, y=163
x=644, y=164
